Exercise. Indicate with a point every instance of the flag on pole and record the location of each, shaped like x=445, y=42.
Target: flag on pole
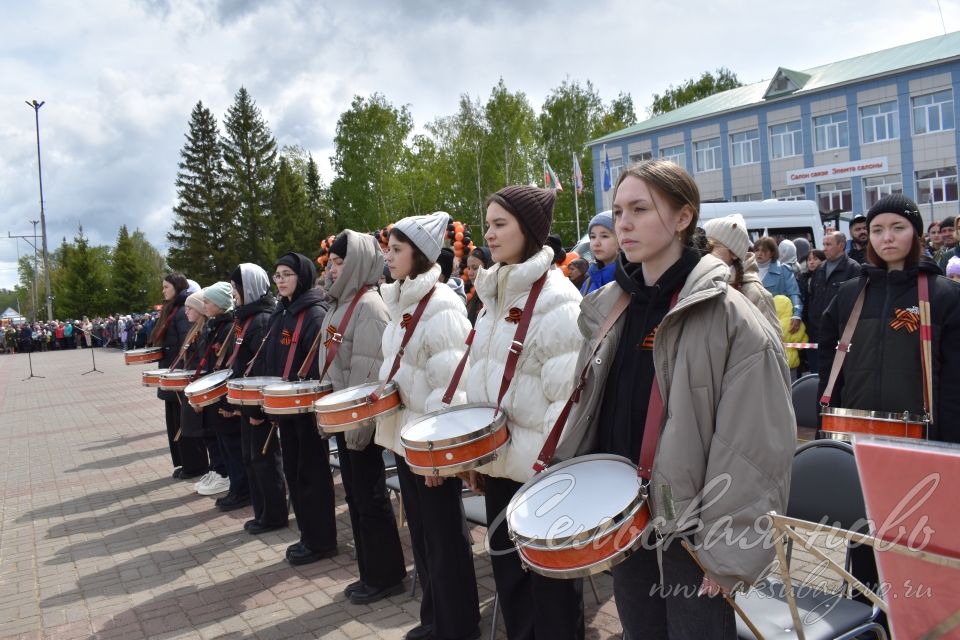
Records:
x=577, y=175
x=550, y=179
x=607, y=182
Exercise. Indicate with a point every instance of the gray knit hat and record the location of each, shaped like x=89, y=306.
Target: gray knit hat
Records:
x=731, y=232
x=604, y=219
x=426, y=232
x=220, y=294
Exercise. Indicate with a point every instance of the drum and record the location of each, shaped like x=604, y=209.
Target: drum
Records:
x=293, y=397
x=143, y=356
x=151, y=378
x=352, y=407
x=249, y=391
x=208, y=389
x=176, y=380
x=844, y=424
x=579, y=517
x=455, y=439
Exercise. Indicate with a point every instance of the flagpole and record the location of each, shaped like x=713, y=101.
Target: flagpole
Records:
x=576, y=197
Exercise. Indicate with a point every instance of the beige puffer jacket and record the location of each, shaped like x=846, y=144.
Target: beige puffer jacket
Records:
x=728, y=416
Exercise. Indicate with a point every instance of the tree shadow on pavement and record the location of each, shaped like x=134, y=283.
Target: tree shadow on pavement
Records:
x=93, y=501
x=126, y=515
x=121, y=460
x=122, y=441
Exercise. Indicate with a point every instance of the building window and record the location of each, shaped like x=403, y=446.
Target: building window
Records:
x=786, y=140
x=790, y=193
x=677, y=155
x=616, y=168
x=835, y=195
x=748, y=197
x=830, y=131
x=643, y=156
x=879, y=122
x=707, y=153
x=937, y=185
x=933, y=112
x=876, y=187
x=745, y=147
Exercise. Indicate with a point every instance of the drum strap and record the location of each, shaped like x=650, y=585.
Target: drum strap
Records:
x=407, y=334
x=266, y=336
x=206, y=355
x=222, y=347
x=926, y=343
x=238, y=342
x=293, y=344
x=458, y=373
x=335, y=340
x=521, y=334
x=546, y=454
x=186, y=343
x=843, y=347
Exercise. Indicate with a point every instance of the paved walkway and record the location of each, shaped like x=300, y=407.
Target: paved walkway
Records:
x=96, y=539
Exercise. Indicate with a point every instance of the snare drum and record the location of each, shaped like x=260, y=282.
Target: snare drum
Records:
x=352, y=407
x=844, y=424
x=208, y=389
x=176, y=380
x=579, y=517
x=249, y=391
x=152, y=378
x=143, y=356
x=293, y=397
x=455, y=439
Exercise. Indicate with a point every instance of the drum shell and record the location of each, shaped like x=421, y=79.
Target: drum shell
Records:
x=355, y=413
x=151, y=378
x=239, y=393
x=592, y=550
x=297, y=400
x=211, y=395
x=175, y=381
x=449, y=456
x=845, y=424
x=143, y=356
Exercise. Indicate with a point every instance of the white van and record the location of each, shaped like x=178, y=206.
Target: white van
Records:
x=776, y=218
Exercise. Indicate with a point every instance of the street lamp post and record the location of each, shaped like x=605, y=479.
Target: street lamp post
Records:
x=43, y=220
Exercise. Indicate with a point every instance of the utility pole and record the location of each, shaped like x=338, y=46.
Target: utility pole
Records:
x=32, y=241
x=43, y=220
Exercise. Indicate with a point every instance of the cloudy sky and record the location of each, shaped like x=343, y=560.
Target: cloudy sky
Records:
x=120, y=77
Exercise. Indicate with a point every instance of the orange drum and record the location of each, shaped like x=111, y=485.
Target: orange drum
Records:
x=249, y=391
x=143, y=356
x=176, y=380
x=293, y=397
x=152, y=378
x=352, y=407
x=844, y=424
x=455, y=439
x=579, y=517
x=205, y=391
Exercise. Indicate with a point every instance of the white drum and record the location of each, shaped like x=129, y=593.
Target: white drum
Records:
x=208, y=389
x=285, y=398
x=455, y=439
x=353, y=407
x=249, y=391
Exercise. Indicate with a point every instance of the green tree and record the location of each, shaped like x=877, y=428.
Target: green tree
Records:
x=295, y=231
x=694, y=89
x=620, y=114
x=250, y=158
x=154, y=266
x=367, y=191
x=203, y=233
x=317, y=199
x=129, y=276
x=84, y=283
x=511, y=126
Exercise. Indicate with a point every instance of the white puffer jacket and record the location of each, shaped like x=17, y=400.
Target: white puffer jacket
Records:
x=430, y=358
x=545, y=371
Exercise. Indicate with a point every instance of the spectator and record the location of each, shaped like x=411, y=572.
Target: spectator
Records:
x=784, y=311
x=857, y=246
x=934, y=242
x=445, y=260
x=777, y=279
x=578, y=272
x=803, y=251
x=479, y=259
x=826, y=280
x=604, y=247
x=953, y=268
x=815, y=258
x=948, y=234
x=788, y=256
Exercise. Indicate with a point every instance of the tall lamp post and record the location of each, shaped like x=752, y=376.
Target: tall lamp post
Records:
x=43, y=220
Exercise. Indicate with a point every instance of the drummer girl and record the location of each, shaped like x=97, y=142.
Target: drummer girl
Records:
x=712, y=355
x=169, y=332
x=305, y=454
x=887, y=375
x=442, y=552
x=518, y=221
x=354, y=268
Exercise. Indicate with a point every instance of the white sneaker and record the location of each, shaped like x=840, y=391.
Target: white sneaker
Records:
x=207, y=477
x=218, y=484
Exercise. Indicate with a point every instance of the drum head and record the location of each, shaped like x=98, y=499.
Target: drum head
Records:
x=451, y=424
x=154, y=373
x=292, y=388
x=574, y=498
x=347, y=396
x=254, y=382
x=208, y=382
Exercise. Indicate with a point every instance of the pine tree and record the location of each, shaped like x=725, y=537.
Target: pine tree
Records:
x=249, y=155
x=130, y=276
x=291, y=216
x=84, y=282
x=317, y=201
x=203, y=233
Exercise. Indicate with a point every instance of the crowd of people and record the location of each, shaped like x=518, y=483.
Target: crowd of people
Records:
x=121, y=331
x=669, y=315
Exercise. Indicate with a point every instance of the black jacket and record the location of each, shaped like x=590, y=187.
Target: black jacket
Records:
x=176, y=333
x=312, y=303
x=219, y=333
x=824, y=289
x=882, y=369
x=259, y=313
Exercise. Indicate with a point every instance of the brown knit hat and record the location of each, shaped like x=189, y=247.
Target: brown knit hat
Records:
x=532, y=206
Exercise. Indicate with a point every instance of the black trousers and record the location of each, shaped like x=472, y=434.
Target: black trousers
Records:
x=172, y=414
x=534, y=607
x=442, y=552
x=306, y=466
x=379, y=554
x=268, y=493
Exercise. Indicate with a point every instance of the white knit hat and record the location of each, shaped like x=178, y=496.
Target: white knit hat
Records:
x=731, y=232
x=426, y=232
x=195, y=302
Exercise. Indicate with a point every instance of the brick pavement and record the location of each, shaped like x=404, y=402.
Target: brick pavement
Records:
x=96, y=539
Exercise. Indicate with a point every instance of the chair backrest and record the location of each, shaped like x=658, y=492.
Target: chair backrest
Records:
x=805, y=402
x=825, y=484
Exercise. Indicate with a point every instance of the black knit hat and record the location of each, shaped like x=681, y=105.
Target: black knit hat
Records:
x=533, y=207
x=339, y=245
x=902, y=206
